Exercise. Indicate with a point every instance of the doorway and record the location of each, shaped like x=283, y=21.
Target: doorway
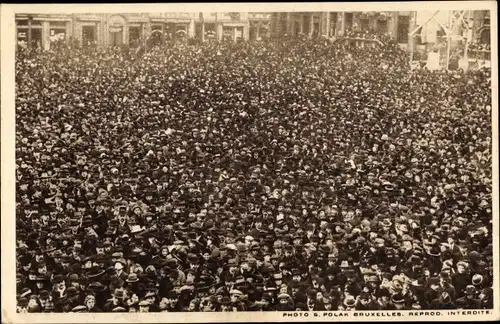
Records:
x=116, y=36
x=88, y=35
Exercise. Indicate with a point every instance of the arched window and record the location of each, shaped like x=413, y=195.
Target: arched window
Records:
x=485, y=37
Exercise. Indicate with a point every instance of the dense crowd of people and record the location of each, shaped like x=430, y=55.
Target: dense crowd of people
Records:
x=253, y=176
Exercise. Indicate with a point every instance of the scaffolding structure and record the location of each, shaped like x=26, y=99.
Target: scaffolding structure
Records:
x=458, y=20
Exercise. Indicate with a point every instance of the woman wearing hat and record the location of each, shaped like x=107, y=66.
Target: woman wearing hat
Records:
x=461, y=278
x=285, y=302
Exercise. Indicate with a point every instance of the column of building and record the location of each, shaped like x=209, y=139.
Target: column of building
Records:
x=311, y=24
x=246, y=30
x=219, y=31
x=126, y=32
x=341, y=20
x=45, y=35
x=326, y=24
x=289, y=23
x=392, y=25
x=102, y=31
x=301, y=23
x=191, y=29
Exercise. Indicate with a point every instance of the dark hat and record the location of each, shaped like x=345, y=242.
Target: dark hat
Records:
x=397, y=299
x=118, y=293
x=22, y=302
x=192, y=258
x=96, y=287
x=44, y=294
x=435, y=251
x=95, y=272
x=445, y=275
x=71, y=291
x=57, y=279
x=470, y=290
x=325, y=249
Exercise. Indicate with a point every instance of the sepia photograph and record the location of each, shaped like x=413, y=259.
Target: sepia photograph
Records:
x=319, y=164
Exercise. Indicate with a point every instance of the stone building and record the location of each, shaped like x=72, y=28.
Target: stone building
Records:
x=335, y=24
x=397, y=24
x=106, y=29
x=114, y=29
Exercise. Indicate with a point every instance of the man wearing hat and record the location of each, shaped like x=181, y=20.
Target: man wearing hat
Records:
x=486, y=298
x=117, y=300
x=120, y=271
x=446, y=285
x=59, y=289
x=172, y=299
x=470, y=300
x=444, y=301
x=237, y=304
x=225, y=304
x=22, y=305
x=144, y=306
x=349, y=303
x=365, y=302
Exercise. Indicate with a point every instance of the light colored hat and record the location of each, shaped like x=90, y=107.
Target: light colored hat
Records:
x=144, y=303
x=349, y=301
x=477, y=279
x=284, y=296
x=136, y=229
x=235, y=292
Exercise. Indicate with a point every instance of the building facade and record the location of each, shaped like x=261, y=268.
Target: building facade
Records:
x=41, y=30
x=335, y=24
x=130, y=28
x=396, y=24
